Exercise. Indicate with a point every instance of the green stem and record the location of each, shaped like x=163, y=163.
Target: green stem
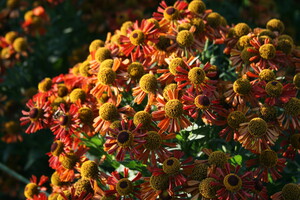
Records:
x=13, y=173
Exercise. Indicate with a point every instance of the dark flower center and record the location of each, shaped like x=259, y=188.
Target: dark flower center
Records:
x=170, y=11
x=233, y=180
x=63, y=120
x=204, y=100
x=123, y=137
x=170, y=162
x=33, y=113
x=135, y=35
x=258, y=185
x=274, y=83
x=53, y=146
x=123, y=184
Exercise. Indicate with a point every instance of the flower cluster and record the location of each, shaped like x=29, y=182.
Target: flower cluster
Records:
x=147, y=83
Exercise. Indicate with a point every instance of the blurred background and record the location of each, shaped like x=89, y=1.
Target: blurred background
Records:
x=57, y=39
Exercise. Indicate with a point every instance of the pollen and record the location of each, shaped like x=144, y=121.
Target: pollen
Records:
x=185, y=38
x=45, y=85
x=163, y=43
x=124, y=187
x=268, y=158
x=57, y=148
x=102, y=54
x=62, y=90
x=184, y=26
x=137, y=37
x=95, y=45
x=20, y=44
x=199, y=172
x=232, y=182
x=31, y=189
x=86, y=115
x=295, y=141
x=108, y=63
x=77, y=94
x=125, y=138
x=68, y=161
x=136, y=70
x=153, y=141
x=274, y=88
x=267, y=75
x=202, y=102
x=106, y=76
x=267, y=51
x=154, y=21
x=217, y=158
x=171, y=165
x=84, y=68
x=246, y=55
x=207, y=189
x=286, y=46
x=55, y=179
x=142, y=117
x=242, y=86
x=199, y=25
x=115, y=125
x=292, y=107
x=196, y=75
x=197, y=7
x=275, y=25
x=160, y=182
x=257, y=127
x=83, y=186
x=89, y=170
x=174, y=108
x=243, y=42
x=241, y=29
x=290, y=191
x=171, y=13
x=172, y=87
x=125, y=26
x=175, y=63
x=267, y=112
x=268, y=33
x=235, y=118
x=56, y=103
x=11, y=36
x=108, y=112
x=214, y=19
x=148, y=83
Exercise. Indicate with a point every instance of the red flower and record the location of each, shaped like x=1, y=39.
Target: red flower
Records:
x=34, y=188
x=171, y=13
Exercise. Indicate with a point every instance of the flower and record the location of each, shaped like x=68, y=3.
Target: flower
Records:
x=123, y=188
x=269, y=163
x=34, y=188
x=232, y=185
x=290, y=118
x=289, y=191
x=124, y=140
x=171, y=116
x=38, y=115
x=139, y=38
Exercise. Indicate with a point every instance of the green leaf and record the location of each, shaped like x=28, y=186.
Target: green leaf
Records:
x=237, y=159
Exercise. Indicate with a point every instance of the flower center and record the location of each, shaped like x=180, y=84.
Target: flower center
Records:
x=199, y=172
x=142, y=117
x=106, y=76
x=296, y=80
x=196, y=75
x=31, y=189
x=175, y=63
x=242, y=86
x=202, y=101
x=207, y=190
x=57, y=148
x=153, y=140
x=197, y=7
x=185, y=38
x=274, y=88
x=108, y=112
x=135, y=70
x=172, y=87
x=124, y=138
x=86, y=115
x=267, y=51
x=68, y=161
x=295, y=141
x=102, y=54
x=267, y=75
x=64, y=120
x=257, y=127
x=292, y=107
x=290, y=191
x=160, y=182
x=89, y=169
x=171, y=166
x=174, y=108
x=232, y=182
x=124, y=187
x=148, y=83
x=268, y=158
x=171, y=13
x=83, y=185
x=217, y=158
x=268, y=112
x=246, y=55
x=137, y=37
x=235, y=118
x=108, y=63
x=34, y=113
x=163, y=43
